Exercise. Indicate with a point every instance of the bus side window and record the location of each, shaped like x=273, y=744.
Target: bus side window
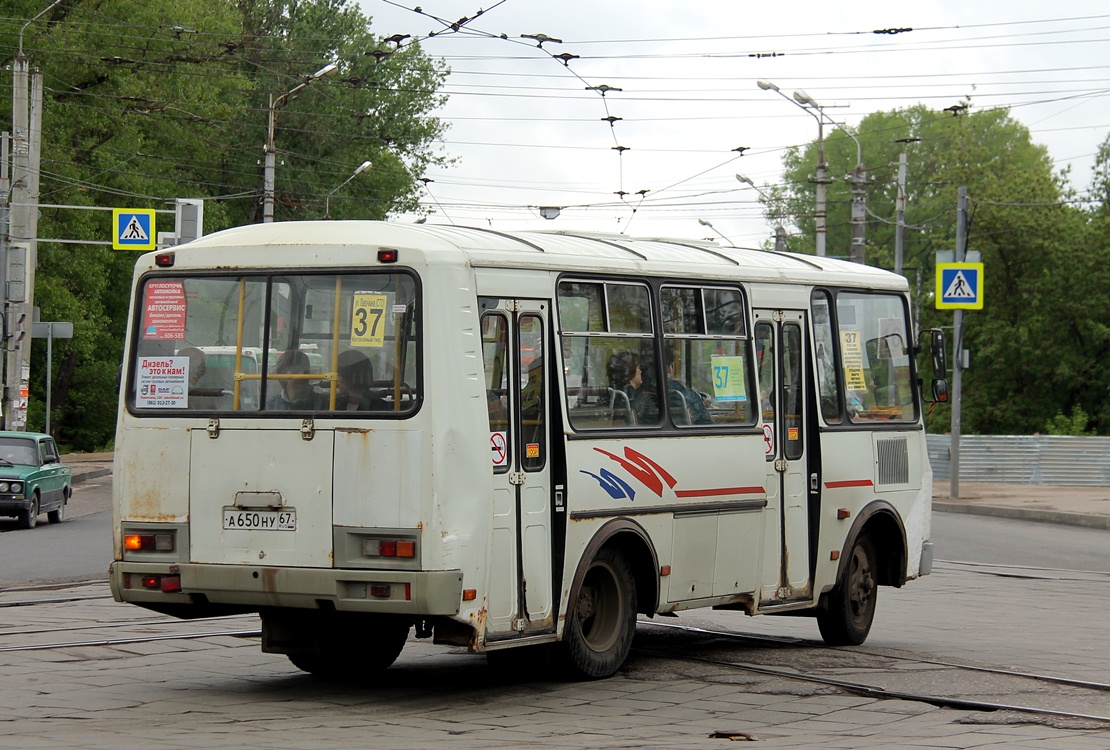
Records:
x=494, y=345
x=828, y=385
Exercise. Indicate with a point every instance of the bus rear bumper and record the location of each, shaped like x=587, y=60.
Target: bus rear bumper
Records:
x=416, y=593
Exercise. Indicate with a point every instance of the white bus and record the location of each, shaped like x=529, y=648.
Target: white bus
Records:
x=512, y=439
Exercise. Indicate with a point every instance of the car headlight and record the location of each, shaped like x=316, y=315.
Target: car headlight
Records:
x=4, y=487
x=16, y=487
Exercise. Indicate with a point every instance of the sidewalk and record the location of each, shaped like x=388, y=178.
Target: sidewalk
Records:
x=88, y=466
x=1075, y=506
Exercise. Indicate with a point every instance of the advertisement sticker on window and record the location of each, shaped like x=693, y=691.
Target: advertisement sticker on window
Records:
x=162, y=383
x=164, y=313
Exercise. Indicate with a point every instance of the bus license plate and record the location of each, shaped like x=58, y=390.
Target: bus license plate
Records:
x=260, y=520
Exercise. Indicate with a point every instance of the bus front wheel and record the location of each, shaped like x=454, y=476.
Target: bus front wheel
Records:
x=846, y=616
x=602, y=619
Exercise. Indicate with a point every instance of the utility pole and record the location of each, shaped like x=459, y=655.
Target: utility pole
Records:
x=859, y=214
x=20, y=251
x=900, y=210
x=957, y=347
x=270, y=162
x=22, y=228
x=821, y=217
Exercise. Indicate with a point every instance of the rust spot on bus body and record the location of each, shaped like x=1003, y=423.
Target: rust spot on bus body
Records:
x=145, y=501
x=268, y=580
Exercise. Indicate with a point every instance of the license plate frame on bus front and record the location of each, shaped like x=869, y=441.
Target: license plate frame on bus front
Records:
x=243, y=519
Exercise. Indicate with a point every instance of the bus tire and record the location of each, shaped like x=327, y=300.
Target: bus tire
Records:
x=352, y=655
x=848, y=610
x=30, y=517
x=602, y=621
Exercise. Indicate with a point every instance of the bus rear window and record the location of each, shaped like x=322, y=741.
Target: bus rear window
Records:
x=277, y=343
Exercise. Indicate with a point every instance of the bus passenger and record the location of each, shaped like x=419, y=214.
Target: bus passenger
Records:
x=685, y=403
x=625, y=376
x=296, y=394
x=355, y=376
x=200, y=397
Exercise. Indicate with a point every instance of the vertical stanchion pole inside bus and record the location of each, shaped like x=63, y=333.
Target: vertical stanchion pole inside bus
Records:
x=237, y=383
x=398, y=329
x=333, y=381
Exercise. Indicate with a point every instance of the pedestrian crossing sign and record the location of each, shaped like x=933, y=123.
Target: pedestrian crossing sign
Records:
x=133, y=229
x=959, y=286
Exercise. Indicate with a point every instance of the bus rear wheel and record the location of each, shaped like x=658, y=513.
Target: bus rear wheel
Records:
x=849, y=609
x=602, y=621
x=352, y=651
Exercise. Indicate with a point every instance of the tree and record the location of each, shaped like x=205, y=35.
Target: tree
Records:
x=1036, y=346
x=146, y=102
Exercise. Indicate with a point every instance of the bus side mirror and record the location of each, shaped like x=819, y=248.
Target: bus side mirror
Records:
x=933, y=339
x=940, y=390
x=940, y=356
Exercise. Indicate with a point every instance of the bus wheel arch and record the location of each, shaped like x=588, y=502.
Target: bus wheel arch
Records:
x=880, y=522
x=635, y=544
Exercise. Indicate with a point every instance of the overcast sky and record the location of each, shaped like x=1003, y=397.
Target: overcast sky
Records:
x=527, y=134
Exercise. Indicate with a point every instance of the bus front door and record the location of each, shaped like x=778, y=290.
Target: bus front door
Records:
x=780, y=342
x=520, y=600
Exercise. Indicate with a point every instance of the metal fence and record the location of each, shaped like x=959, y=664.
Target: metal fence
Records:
x=1024, y=459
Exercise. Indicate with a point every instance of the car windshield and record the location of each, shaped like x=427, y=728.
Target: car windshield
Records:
x=17, y=451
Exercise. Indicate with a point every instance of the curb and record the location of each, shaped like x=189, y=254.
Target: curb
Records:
x=86, y=475
x=1085, y=520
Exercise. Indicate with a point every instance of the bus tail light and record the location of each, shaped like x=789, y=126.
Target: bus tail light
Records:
x=165, y=584
x=148, y=542
x=389, y=548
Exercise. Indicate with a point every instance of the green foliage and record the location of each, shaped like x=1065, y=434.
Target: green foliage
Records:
x=1076, y=424
x=1038, y=345
x=150, y=100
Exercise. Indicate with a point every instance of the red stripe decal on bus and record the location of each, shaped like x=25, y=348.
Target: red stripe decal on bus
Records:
x=720, y=491
x=651, y=474
x=849, y=483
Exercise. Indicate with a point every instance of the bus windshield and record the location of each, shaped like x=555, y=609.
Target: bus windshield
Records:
x=277, y=342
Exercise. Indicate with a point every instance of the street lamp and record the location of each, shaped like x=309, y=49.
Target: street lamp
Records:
x=748, y=181
x=716, y=231
x=268, y=177
x=361, y=168
x=801, y=99
x=780, y=232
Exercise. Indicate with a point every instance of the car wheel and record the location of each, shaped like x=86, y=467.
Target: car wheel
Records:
x=57, y=516
x=30, y=516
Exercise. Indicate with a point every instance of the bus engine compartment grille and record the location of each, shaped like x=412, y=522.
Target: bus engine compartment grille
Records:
x=894, y=461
